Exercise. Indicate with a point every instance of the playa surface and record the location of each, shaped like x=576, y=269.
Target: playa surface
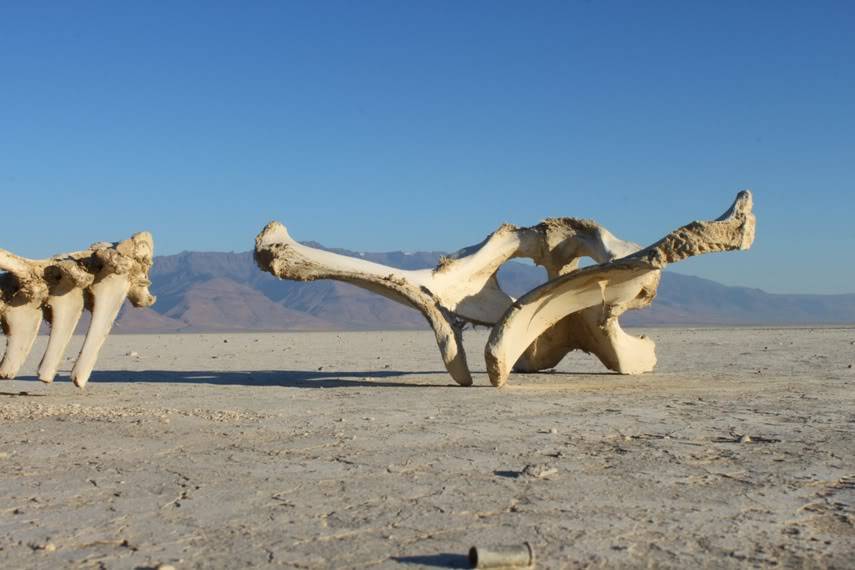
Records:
x=354, y=450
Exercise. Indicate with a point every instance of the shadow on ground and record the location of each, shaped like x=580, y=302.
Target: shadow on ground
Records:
x=278, y=378
x=444, y=560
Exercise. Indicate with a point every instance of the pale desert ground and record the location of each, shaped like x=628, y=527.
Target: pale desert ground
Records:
x=354, y=450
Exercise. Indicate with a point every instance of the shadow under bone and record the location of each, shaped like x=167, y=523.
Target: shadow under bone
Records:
x=273, y=378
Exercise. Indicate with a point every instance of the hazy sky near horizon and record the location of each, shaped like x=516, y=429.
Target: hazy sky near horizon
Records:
x=423, y=125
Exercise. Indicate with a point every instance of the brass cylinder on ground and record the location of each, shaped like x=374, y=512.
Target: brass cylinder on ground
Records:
x=504, y=556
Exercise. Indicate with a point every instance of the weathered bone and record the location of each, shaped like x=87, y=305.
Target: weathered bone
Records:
x=463, y=287
x=99, y=278
x=583, y=306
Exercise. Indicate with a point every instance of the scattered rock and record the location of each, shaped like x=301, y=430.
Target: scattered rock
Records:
x=46, y=547
x=538, y=471
x=225, y=341
x=745, y=439
x=133, y=354
x=164, y=567
x=547, y=430
x=320, y=368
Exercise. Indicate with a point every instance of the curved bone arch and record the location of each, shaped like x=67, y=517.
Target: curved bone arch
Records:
x=58, y=289
x=583, y=306
x=575, y=309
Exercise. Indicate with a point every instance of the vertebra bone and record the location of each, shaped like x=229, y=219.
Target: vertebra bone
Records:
x=583, y=306
x=99, y=278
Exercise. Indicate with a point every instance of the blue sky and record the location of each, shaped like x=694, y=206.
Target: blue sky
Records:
x=424, y=125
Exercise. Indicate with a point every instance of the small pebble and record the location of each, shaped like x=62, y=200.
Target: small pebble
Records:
x=49, y=547
x=745, y=439
x=164, y=567
x=133, y=354
x=225, y=341
x=538, y=471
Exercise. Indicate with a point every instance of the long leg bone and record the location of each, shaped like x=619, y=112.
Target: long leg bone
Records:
x=588, y=301
x=463, y=287
x=59, y=288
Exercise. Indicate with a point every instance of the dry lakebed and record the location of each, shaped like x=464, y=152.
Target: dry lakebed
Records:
x=357, y=450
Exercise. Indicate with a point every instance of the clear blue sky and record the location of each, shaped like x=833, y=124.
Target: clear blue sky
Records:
x=423, y=125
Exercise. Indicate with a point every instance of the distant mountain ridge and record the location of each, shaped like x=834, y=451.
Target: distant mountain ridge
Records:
x=215, y=291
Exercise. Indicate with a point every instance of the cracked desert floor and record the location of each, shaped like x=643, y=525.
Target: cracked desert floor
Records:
x=355, y=450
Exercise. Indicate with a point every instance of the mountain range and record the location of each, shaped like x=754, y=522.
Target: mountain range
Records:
x=216, y=291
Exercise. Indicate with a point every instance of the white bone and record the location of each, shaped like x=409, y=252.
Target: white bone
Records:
x=65, y=312
x=463, y=287
x=21, y=326
x=597, y=295
x=57, y=287
x=108, y=294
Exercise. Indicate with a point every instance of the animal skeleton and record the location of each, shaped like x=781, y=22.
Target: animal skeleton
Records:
x=575, y=309
x=98, y=278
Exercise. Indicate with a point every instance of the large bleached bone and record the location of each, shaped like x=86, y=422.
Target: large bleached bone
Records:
x=462, y=287
x=98, y=278
x=582, y=307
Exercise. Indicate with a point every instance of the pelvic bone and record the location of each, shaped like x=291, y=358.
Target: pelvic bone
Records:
x=98, y=278
x=583, y=303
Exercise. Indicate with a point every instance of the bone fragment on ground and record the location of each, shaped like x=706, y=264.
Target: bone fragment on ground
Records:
x=597, y=295
x=58, y=288
x=463, y=287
